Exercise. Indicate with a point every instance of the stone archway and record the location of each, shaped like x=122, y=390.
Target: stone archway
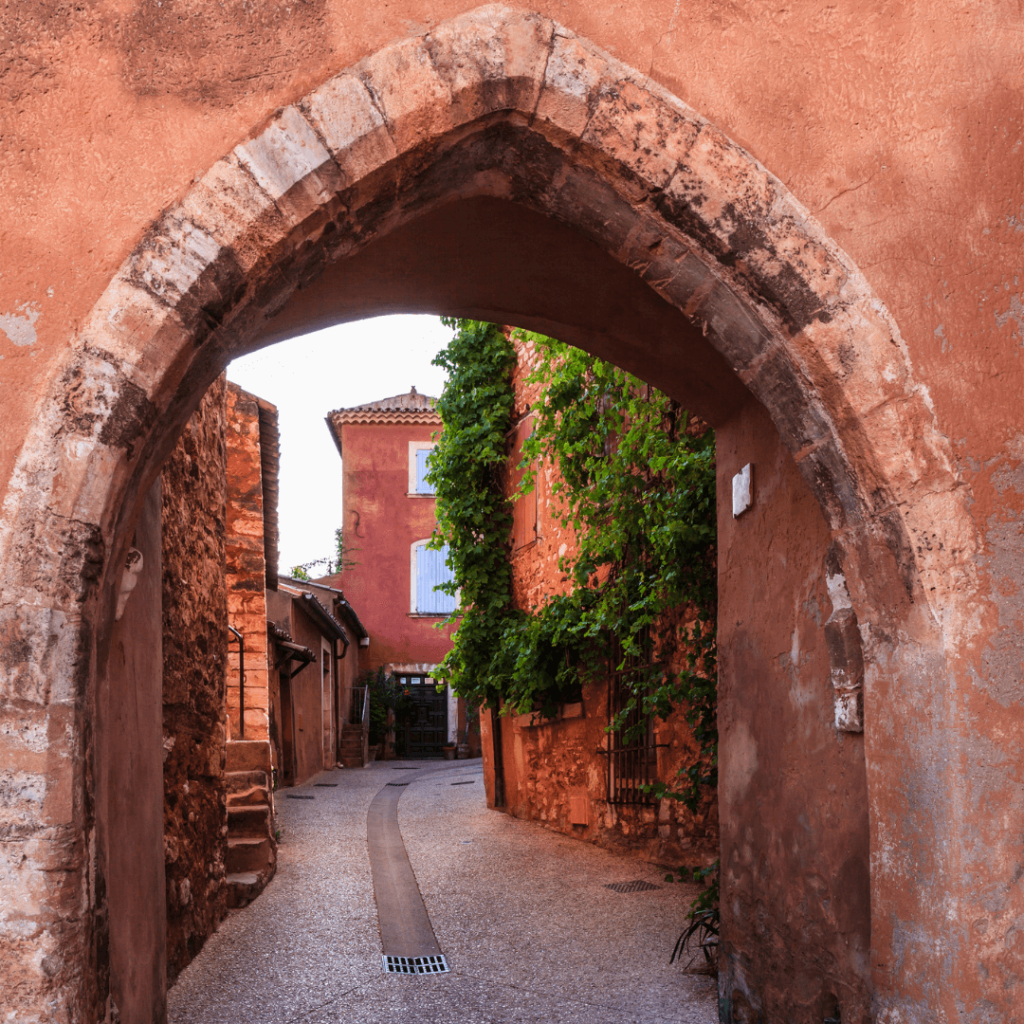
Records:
x=510, y=106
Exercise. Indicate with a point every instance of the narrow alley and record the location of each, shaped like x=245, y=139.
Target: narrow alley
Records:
x=525, y=917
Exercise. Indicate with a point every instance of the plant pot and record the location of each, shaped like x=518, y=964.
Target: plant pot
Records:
x=449, y=752
x=373, y=752
x=462, y=751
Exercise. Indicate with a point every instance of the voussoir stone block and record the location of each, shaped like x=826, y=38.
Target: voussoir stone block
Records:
x=492, y=59
x=172, y=258
x=413, y=97
x=636, y=129
x=571, y=79
x=289, y=162
x=234, y=210
x=351, y=124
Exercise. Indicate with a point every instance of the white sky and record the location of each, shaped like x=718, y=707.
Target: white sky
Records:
x=306, y=378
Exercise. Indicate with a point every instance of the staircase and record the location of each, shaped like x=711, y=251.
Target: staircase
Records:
x=355, y=733
x=353, y=746
x=251, y=857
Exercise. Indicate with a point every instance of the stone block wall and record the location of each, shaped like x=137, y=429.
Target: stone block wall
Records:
x=195, y=664
x=246, y=565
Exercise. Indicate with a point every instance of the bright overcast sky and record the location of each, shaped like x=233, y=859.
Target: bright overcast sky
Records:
x=306, y=378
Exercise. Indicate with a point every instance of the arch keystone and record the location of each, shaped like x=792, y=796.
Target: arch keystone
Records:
x=492, y=59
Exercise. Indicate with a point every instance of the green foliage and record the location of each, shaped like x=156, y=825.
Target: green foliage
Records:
x=329, y=564
x=473, y=515
x=705, y=916
x=637, y=489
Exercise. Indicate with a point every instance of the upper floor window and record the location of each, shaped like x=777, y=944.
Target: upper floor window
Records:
x=429, y=570
x=524, y=507
x=419, y=453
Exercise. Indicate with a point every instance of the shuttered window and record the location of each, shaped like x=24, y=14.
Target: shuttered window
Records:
x=431, y=570
x=422, y=486
x=524, y=508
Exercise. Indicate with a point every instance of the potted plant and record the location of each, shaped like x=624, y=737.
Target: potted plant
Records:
x=449, y=751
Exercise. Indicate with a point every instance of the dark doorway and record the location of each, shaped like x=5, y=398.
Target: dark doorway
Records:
x=287, y=732
x=422, y=729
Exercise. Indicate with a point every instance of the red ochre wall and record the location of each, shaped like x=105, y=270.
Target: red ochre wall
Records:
x=793, y=789
x=381, y=524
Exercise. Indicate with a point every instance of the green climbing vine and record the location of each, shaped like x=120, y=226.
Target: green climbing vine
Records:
x=636, y=484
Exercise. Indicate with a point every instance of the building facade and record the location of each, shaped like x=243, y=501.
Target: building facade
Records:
x=391, y=573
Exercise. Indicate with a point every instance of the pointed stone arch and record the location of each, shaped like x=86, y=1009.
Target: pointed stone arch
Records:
x=510, y=105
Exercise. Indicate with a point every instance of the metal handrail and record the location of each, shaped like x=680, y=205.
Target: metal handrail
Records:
x=359, y=713
x=241, y=680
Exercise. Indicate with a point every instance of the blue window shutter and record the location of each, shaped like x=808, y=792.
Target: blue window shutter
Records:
x=431, y=570
x=422, y=487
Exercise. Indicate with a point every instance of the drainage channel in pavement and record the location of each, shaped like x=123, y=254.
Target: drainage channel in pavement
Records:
x=407, y=936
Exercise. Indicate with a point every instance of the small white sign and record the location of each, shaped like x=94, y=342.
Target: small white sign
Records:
x=743, y=490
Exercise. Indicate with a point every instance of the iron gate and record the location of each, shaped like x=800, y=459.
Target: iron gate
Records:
x=423, y=728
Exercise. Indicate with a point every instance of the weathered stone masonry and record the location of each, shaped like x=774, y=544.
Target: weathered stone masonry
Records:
x=195, y=615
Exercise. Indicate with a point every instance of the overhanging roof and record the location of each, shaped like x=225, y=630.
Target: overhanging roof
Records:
x=410, y=408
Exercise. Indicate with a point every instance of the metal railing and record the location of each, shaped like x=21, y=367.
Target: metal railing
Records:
x=241, y=680
x=359, y=711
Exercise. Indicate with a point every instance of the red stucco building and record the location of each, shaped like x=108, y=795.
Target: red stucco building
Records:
x=388, y=520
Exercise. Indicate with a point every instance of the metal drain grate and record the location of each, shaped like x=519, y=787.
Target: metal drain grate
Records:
x=396, y=783
x=415, y=964
x=637, y=886
x=468, y=782
x=297, y=796
x=326, y=785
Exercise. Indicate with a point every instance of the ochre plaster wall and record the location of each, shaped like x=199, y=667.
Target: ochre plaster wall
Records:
x=898, y=127
x=796, y=925
x=305, y=688
x=381, y=524
x=195, y=616
x=880, y=119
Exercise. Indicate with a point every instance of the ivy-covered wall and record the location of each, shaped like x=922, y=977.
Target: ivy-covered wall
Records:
x=575, y=469
x=548, y=763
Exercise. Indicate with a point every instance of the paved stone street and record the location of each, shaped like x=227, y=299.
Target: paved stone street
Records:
x=522, y=914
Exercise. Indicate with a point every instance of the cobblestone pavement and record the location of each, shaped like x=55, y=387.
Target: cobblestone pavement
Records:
x=522, y=914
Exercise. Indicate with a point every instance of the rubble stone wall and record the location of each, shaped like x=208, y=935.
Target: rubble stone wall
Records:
x=195, y=664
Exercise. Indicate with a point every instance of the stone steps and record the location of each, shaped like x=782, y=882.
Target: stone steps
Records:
x=239, y=782
x=249, y=853
x=257, y=795
x=352, y=746
x=251, y=857
x=250, y=820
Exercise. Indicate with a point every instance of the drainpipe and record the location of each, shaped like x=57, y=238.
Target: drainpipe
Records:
x=241, y=680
